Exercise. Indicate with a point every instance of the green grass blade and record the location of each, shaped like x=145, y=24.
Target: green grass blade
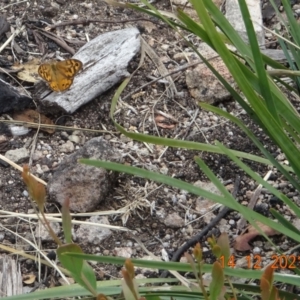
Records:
x=108, y=288
x=292, y=24
x=259, y=65
x=260, y=180
x=184, y=267
x=273, y=128
x=227, y=201
x=284, y=221
x=223, y=24
x=263, y=150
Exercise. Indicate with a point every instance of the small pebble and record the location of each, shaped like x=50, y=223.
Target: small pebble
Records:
x=167, y=237
x=256, y=250
x=231, y=222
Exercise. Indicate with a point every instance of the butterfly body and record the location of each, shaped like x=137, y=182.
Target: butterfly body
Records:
x=60, y=74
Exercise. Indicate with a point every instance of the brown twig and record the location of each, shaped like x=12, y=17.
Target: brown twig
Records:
x=39, y=40
x=10, y=71
x=75, y=42
x=57, y=40
x=87, y=21
x=242, y=222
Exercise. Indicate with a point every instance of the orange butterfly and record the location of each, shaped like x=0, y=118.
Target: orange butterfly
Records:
x=60, y=74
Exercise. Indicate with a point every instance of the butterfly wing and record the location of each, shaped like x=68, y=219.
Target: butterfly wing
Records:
x=69, y=67
x=66, y=71
x=60, y=74
x=45, y=72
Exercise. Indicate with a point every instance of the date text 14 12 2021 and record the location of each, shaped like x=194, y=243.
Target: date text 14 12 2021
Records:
x=255, y=261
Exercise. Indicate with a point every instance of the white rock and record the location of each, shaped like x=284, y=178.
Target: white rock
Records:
x=42, y=233
x=164, y=255
x=207, y=217
x=74, y=138
x=182, y=198
x=87, y=233
x=45, y=168
x=165, y=46
x=231, y=222
x=296, y=223
x=38, y=169
x=18, y=130
x=234, y=16
x=167, y=236
x=164, y=170
x=17, y=155
x=123, y=252
x=174, y=221
x=256, y=250
x=67, y=147
x=205, y=204
x=129, y=244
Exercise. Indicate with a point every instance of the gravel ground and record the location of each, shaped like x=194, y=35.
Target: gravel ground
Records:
x=163, y=217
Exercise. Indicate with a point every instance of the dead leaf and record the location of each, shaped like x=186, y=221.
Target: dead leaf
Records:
x=163, y=122
x=32, y=116
x=29, y=72
x=242, y=241
x=165, y=126
x=148, y=26
x=29, y=278
x=137, y=95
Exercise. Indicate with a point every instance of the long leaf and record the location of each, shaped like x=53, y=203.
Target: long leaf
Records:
x=227, y=201
x=261, y=147
x=184, y=267
x=259, y=65
x=273, y=127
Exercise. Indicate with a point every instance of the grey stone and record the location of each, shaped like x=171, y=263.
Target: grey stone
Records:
x=234, y=16
x=123, y=252
x=204, y=205
x=87, y=233
x=85, y=186
x=296, y=223
x=42, y=233
x=202, y=84
x=174, y=221
x=67, y=147
x=17, y=155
